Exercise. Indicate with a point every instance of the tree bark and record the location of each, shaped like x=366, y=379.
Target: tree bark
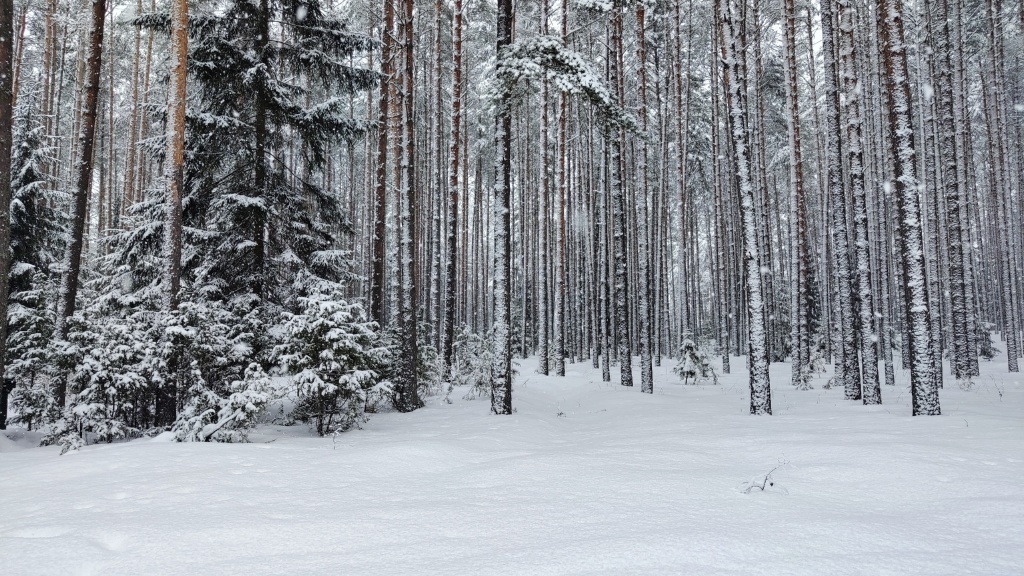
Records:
x=847, y=372
x=6, y=113
x=83, y=180
x=871, y=390
x=924, y=392
x=501, y=370
x=453, y=193
x=732, y=46
x=801, y=337
x=407, y=396
x=388, y=68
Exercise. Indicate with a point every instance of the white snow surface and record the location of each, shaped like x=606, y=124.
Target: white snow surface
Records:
x=585, y=478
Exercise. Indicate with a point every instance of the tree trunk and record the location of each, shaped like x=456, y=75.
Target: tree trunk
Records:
x=924, y=392
x=83, y=180
x=501, y=370
x=643, y=241
x=407, y=396
x=949, y=154
x=133, y=124
x=175, y=161
x=847, y=372
x=388, y=68
x=6, y=109
x=801, y=337
x=618, y=197
x=453, y=193
x=732, y=41
x=560, y=321
x=871, y=390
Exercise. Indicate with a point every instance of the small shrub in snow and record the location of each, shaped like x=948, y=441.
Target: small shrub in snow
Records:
x=205, y=349
x=111, y=364
x=430, y=369
x=764, y=483
x=33, y=404
x=68, y=442
x=986, y=347
x=694, y=364
x=334, y=354
x=211, y=416
x=472, y=357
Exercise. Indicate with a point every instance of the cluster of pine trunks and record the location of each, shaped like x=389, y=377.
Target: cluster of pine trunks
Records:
x=836, y=181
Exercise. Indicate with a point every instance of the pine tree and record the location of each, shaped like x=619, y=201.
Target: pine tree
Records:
x=175, y=176
x=501, y=369
x=36, y=234
x=852, y=91
x=731, y=39
x=924, y=390
x=801, y=337
x=83, y=179
x=335, y=355
x=451, y=226
x=847, y=372
x=7, y=95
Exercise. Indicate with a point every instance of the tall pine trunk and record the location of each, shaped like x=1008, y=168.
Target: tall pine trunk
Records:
x=406, y=397
x=174, y=175
x=384, y=125
x=732, y=46
x=950, y=153
x=83, y=180
x=6, y=109
x=801, y=337
x=847, y=372
x=616, y=136
x=501, y=369
x=871, y=390
x=643, y=241
x=448, y=329
x=924, y=391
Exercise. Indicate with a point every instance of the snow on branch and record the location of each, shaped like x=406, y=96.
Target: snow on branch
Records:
x=546, y=58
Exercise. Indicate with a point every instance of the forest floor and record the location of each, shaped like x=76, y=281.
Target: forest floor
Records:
x=586, y=477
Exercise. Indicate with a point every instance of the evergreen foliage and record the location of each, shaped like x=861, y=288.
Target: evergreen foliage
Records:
x=36, y=241
x=335, y=355
x=694, y=364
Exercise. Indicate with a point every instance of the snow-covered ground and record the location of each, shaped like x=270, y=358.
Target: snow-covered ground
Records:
x=586, y=478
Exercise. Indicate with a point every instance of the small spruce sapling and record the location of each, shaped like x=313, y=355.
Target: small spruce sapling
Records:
x=335, y=356
x=694, y=364
x=210, y=416
x=471, y=364
x=986, y=347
